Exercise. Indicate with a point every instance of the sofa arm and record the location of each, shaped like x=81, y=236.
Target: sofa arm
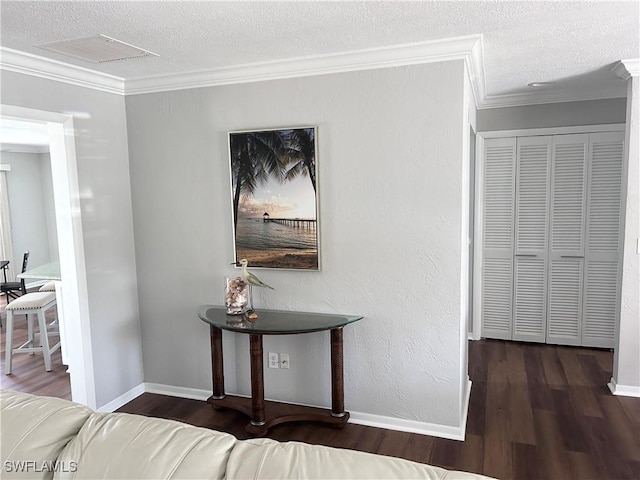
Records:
x=120, y=445
x=34, y=432
x=267, y=459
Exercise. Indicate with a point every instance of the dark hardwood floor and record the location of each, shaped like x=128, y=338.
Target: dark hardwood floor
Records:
x=28, y=373
x=536, y=412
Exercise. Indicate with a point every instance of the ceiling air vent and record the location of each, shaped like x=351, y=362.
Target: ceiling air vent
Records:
x=97, y=49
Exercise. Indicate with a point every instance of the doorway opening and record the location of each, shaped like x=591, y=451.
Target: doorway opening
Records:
x=73, y=301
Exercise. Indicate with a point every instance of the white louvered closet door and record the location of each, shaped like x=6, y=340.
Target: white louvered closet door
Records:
x=602, y=278
x=533, y=165
x=498, y=212
x=566, y=243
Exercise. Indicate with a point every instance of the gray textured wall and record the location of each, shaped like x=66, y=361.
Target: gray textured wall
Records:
x=103, y=178
x=390, y=189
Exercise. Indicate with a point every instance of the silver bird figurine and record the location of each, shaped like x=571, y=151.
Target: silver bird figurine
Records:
x=249, y=277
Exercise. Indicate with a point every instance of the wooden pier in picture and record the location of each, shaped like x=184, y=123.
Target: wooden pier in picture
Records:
x=291, y=222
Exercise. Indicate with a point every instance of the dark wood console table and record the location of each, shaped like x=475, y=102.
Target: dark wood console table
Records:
x=265, y=415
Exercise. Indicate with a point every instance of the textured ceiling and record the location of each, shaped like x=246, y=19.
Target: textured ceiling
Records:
x=571, y=43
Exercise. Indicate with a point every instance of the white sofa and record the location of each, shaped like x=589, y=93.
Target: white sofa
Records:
x=44, y=438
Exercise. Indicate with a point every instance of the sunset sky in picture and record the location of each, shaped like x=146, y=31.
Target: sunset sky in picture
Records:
x=291, y=199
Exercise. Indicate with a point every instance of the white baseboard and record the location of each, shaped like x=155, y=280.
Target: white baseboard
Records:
x=380, y=421
x=122, y=399
x=623, y=390
x=403, y=425
x=182, y=392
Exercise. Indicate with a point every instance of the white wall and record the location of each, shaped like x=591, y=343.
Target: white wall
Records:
x=626, y=365
x=30, y=199
x=49, y=204
x=591, y=112
x=390, y=188
x=103, y=176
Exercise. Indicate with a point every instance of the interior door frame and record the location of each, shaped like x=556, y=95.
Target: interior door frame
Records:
x=479, y=199
x=70, y=245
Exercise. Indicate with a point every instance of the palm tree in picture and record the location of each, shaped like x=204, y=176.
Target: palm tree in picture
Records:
x=300, y=154
x=254, y=157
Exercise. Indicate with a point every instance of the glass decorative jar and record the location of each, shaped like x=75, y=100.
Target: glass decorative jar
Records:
x=236, y=296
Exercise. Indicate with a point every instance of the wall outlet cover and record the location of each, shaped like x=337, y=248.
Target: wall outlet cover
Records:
x=274, y=361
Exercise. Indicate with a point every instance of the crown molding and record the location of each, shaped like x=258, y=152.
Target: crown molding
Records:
x=460, y=48
x=470, y=49
x=535, y=98
x=626, y=69
x=36, y=66
x=475, y=68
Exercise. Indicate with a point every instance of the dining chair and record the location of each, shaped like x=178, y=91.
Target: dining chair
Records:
x=14, y=289
x=36, y=303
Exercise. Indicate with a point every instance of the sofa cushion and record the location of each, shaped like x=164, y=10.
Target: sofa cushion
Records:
x=34, y=432
x=269, y=459
x=121, y=445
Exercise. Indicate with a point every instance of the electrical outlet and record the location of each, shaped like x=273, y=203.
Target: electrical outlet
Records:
x=284, y=360
x=273, y=360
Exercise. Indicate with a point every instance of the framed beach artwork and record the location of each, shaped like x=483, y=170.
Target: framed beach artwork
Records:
x=274, y=197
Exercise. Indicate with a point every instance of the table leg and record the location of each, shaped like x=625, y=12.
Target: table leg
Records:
x=337, y=374
x=217, y=365
x=257, y=381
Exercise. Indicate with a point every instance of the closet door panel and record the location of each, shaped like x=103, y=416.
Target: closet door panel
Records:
x=602, y=270
x=566, y=245
x=531, y=232
x=497, y=265
x=601, y=303
x=565, y=301
x=529, y=299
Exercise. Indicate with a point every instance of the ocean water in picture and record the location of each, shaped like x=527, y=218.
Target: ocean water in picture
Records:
x=256, y=234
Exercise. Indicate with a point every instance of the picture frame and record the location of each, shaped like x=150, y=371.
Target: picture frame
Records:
x=274, y=197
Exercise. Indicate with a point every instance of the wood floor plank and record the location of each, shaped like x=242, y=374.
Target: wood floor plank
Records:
x=445, y=453
x=365, y=439
x=496, y=350
x=584, y=401
x=393, y=444
x=553, y=369
x=478, y=361
x=584, y=467
x=627, y=439
x=470, y=454
x=571, y=425
x=556, y=463
x=604, y=359
x=534, y=368
x=521, y=425
x=527, y=463
x=572, y=369
x=631, y=407
x=420, y=449
x=497, y=452
x=516, y=372
x=497, y=457
x=592, y=369
x=607, y=453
